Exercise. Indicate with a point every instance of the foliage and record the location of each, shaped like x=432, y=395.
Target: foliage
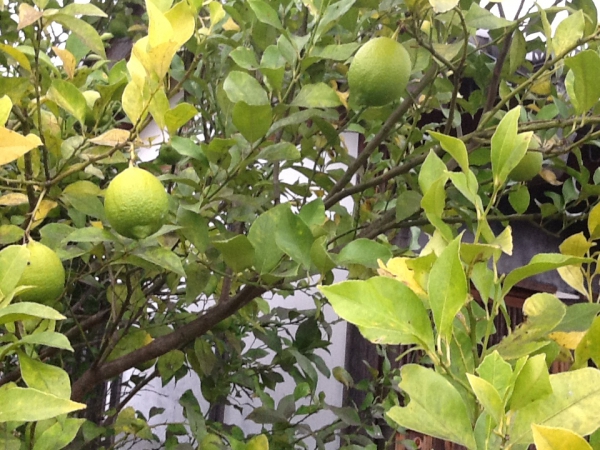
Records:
x=251, y=100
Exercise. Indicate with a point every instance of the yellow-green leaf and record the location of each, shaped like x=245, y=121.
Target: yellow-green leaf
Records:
x=13, y=145
x=5, y=107
x=17, y=55
x=550, y=438
x=30, y=405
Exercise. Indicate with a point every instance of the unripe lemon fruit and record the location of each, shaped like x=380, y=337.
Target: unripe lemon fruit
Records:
x=379, y=72
x=45, y=272
x=528, y=167
x=136, y=203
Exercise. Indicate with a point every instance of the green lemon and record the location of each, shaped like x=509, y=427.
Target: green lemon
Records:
x=379, y=72
x=45, y=272
x=528, y=167
x=168, y=155
x=136, y=203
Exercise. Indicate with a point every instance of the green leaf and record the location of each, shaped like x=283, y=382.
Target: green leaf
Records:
x=90, y=234
x=282, y=151
x=485, y=436
x=294, y=238
x=10, y=234
x=318, y=95
x=195, y=228
x=31, y=405
x=265, y=13
x=241, y=87
x=455, y=148
x=481, y=19
x=320, y=257
x=187, y=147
x=436, y=408
x=532, y=383
x=237, y=252
x=84, y=31
x=262, y=230
x=49, y=339
x=447, y=288
x=332, y=13
x=568, y=32
x=385, y=310
x=44, y=377
x=408, y=203
x=544, y=312
x=574, y=405
x=313, y=213
x=586, y=89
x=59, y=435
x=335, y=52
x=432, y=170
x=162, y=257
x=170, y=363
x=13, y=260
x=364, y=252
x=542, y=262
x=134, y=339
x=69, y=98
x=180, y=115
x=554, y=438
x=27, y=310
x=579, y=317
x=488, y=397
x=508, y=148
x=497, y=372
x=84, y=9
x=519, y=199
x=253, y=121
x=244, y=57
x=433, y=203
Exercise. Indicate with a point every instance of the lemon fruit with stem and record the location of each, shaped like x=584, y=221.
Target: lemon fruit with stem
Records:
x=136, y=203
x=44, y=272
x=379, y=72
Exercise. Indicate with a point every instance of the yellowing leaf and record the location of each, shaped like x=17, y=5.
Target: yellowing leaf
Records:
x=549, y=438
x=569, y=340
x=17, y=55
x=550, y=177
x=27, y=15
x=112, y=138
x=13, y=145
x=397, y=268
x=5, y=107
x=230, y=25
x=13, y=199
x=68, y=60
x=43, y=209
x=159, y=28
x=594, y=222
x=573, y=276
x=575, y=245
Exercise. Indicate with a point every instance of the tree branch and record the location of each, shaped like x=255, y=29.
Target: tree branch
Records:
x=379, y=137
x=164, y=344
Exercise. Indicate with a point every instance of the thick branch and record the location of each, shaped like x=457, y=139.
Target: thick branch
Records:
x=164, y=344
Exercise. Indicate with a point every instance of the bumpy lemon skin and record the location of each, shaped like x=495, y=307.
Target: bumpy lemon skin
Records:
x=379, y=72
x=45, y=272
x=528, y=167
x=136, y=203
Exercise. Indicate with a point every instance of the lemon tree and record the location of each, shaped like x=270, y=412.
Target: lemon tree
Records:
x=170, y=169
